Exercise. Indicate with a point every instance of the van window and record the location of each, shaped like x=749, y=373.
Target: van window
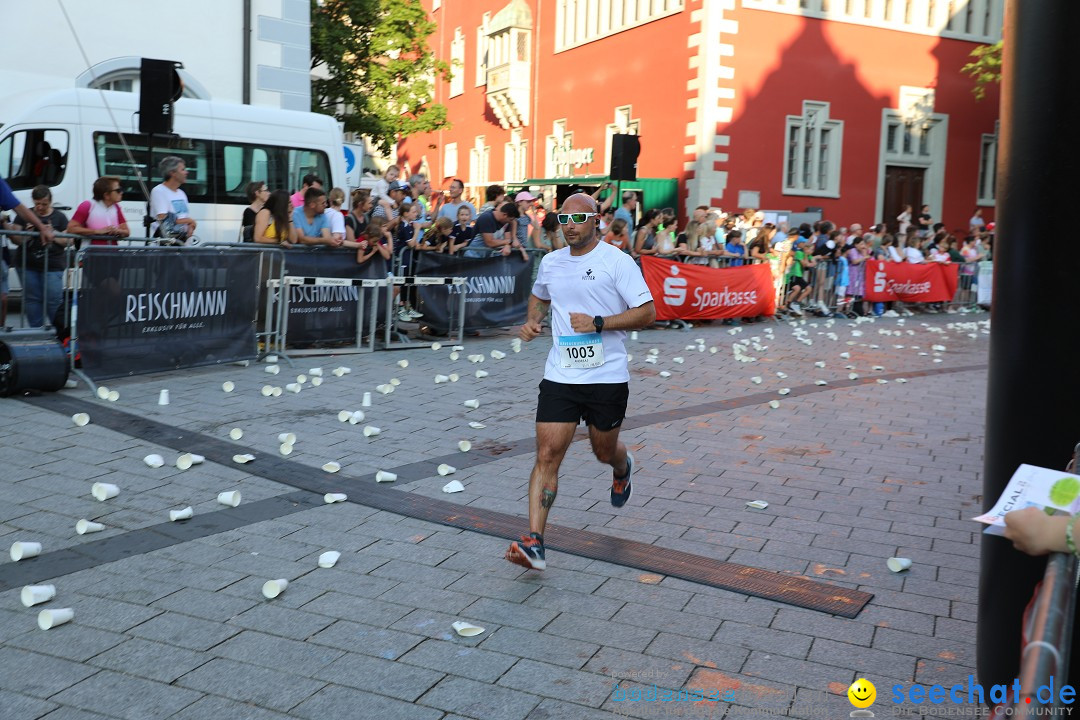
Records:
x=34, y=157
x=113, y=159
x=281, y=168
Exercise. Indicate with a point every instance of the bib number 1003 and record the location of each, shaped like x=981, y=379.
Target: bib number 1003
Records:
x=583, y=352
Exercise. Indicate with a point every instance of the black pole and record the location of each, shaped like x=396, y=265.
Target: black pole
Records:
x=1034, y=379
x=246, y=76
x=149, y=218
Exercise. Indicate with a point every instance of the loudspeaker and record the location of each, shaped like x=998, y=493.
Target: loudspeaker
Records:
x=32, y=364
x=159, y=87
x=624, y=154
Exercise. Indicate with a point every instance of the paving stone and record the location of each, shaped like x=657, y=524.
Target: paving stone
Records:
x=183, y=631
x=560, y=683
x=452, y=658
x=568, y=652
x=864, y=661
x=250, y=684
x=126, y=697
x=22, y=706
x=357, y=637
x=150, y=660
x=379, y=676
x=218, y=708
x=512, y=614
x=484, y=702
x=820, y=625
x=699, y=652
x=341, y=702
x=282, y=621
x=37, y=675
x=365, y=610
x=427, y=597
x=683, y=623
x=549, y=709
x=569, y=601
x=278, y=653
x=416, y=573
x=214, y=606
x=626, y=635
x=812, y=674
x=72, y=642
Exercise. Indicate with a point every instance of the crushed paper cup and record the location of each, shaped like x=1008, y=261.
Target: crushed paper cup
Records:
x=154, y=460
x=458, y=348
x=477, y=425
x=497, y=354
x=185, y=461
x=475, y=358
x=440, y=379
x=853, y=376
x=756, y=380
x=464, y=446
x=242, y=363
x=272, y=588
x=678, y=360
x=453, y=486
x=757, y=504
x=357, y=417
x=287, y=438
x=820, y=364
x=228, y=386
x=270, y=359
x=774, y=404
x=878, y=368
x=445, y=469
x=465, y=629
x=85, y=526
x=403, y=363
x=385, y=476
x=267, y=390
x=366, y=401
x=331, y=467
x=230, y=498
x=845, y=355
x=371, y=431
x=394, y=382
x=481, y=373
x=471, y=404
x=454, y=377
x=272, y=369
x=901, y=380
x=821, y=382
x=185, y=514
x=316, y=381
x=338, y=372
x=32, y=595
x=276, y=392
x=665, y=374
x=315, y=372
x=898, y=564
x=236, y=433
x=24, y=550
x=882, y=381
x=784, y=391
x=294, y=387
x=103, y=392
x=104, y=491
x=331, y=498
x=243, y=459
x=436, y=346
x=50, y=618
x=329, y=559
x=285, y=448
x=385, y=389
x=344, y=416
x=80, y=419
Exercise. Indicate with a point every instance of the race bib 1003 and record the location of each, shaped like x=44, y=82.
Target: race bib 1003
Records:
x=581, y=351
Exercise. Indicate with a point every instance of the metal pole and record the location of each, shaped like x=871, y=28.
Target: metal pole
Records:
x=1034, y=373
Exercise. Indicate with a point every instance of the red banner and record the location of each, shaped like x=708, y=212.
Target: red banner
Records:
x=919, y=282
x=698, y=292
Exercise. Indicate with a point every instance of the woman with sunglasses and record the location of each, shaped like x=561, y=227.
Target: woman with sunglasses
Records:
x=594, y=293
x=101, y=219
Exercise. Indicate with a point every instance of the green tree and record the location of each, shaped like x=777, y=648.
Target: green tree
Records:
x=984, y=68
x=381, y=70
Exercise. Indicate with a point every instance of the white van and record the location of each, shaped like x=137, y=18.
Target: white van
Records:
x=67, y=139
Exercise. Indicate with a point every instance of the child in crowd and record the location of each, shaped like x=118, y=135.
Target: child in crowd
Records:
x=462, y=233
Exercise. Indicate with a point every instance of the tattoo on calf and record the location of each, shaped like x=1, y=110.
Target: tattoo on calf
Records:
x=547, y=498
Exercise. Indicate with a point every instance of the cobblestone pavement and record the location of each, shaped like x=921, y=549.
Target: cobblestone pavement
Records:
x=855, y=471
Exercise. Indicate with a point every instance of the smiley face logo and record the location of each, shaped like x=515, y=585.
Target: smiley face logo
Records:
x=862, y=693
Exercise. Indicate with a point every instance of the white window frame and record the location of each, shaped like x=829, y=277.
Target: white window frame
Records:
x=457, y=63
x=625, y=124
x=809, y=129
x=479, y=161
x=482, y=50
x=558, y=136
x=450, y=160
x=515, y=157
x=578, y=22
x=986, y=192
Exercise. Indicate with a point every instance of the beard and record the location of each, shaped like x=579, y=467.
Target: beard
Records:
x=582, y=239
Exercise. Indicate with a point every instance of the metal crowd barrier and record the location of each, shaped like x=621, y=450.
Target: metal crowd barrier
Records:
x=23, y=272
x=278, y=289
x=1048, y=631
x=393, y=338
x=272, y=268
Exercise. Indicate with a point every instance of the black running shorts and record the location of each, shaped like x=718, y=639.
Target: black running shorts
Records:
x=796, y=282
x=600, y=405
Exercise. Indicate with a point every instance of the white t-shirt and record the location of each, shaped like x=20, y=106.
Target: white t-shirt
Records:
x=337, y=221
x=605, y=281
x=913, y=255
x=165, y=200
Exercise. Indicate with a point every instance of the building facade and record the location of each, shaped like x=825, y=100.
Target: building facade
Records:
x=846, y=109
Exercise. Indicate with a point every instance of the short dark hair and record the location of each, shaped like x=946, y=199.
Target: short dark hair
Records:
x=41, y=192
x=313, y=193
x=509, y=209
x=629, y=195
x=493, y=191
x=734, y=235
x=310, y=179
x=103, y=185
x=459, y=181
x=252, y=189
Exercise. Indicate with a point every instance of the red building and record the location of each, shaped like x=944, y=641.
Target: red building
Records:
x=850, y=107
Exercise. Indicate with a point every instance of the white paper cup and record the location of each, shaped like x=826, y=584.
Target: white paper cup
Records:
x=471, y=404
x=276, y=392
x=154, y=460
x=458, y=348
x=453, y=486
x=80, y=419
x=228, y=386
x=23, y=550
x=344, y=416
x=230, y=498
x=439, y=379
x=481, y=373
x=403, y=363
x=236, y=433
x=366, y=402
x=633, y=335
x=103, y=491
x=285, y=448
x=331, y=498
x=301, y=378
x=464, y=445
x=385, y=389
x=465, y=629
x=243, y=459
x=185, y=461
x=287, y=437
x=455, y=355
x=497, y=354
x=371, y=431
x=774, y=404
x=271, y=359
x=316, y=381
x=436, y=346
x=294, y=387
x=357, y=417
x=272, y=369
x=477, y=425
x=267, y=390
x=385, y=476
x=85, y=526
x=329, y=559
x=36, y=594
x=665, y=374
x=103, y=392
x=272, y=588
x=475, y=358
x=454, y=377
x=114, y=395
x=898, y=564
x=445, y=469
x=163, y=397
x=331, y=467
x=184, y=514
x=394, y=382
x=197, y=459
x=48, y=619
x=315, y=372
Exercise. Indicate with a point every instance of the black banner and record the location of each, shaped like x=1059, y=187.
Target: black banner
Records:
x=142, y=311
x=498, y=290
x=320, y=315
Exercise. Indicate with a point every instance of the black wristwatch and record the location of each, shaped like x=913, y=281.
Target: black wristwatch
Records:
x=598, y=323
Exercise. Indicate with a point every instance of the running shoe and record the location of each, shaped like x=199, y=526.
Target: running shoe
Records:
x=414, y=313
x=621, y=488
x=528, y=553
x=404, y=316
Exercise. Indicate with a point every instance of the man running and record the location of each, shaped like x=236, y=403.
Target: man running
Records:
x=595, y=293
